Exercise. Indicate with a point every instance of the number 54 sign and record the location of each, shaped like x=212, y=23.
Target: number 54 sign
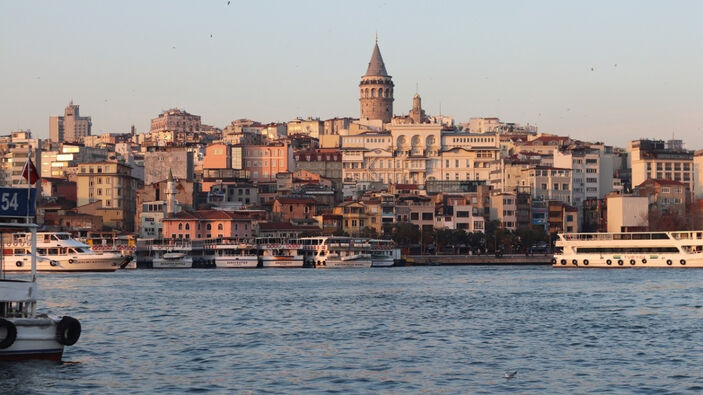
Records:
x=14, y=202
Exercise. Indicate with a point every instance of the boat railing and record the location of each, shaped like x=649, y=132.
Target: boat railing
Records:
x=615, y=236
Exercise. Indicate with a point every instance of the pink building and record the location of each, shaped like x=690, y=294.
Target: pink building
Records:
x=207, y=224
x=263, y=162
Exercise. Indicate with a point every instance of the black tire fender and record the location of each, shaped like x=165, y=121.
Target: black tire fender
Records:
x=632, y=262
x=608, y=262
x=11, y=333
x=620, y=262
x=644, y=261
x=669, y=262
x=683, y=262
x=68, y=331
x=585, y=262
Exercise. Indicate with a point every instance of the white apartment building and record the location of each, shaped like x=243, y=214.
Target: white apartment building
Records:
x=548, y=183
x=585, y=173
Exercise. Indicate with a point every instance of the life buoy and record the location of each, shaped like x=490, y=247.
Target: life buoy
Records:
x=554, y=261
x=18, y=263
x=53, y=263
x=669, y=262
x=620, y=262
x=609, y=262
x=10, y=333
x=575, y=262
x=683, y=262
x=644, y=261
x=632, y=262
x=71, y=261
x=585, y=262
x=563, y=261
x=68, y=331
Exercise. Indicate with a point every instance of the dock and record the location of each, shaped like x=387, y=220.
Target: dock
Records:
x=455, y=260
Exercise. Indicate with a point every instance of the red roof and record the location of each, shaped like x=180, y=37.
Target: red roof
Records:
x=663, y=181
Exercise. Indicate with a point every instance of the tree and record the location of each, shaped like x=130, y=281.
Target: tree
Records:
x=442, y=238
x=459, y=237
x=369, y=232
x=405, y=233
x=339, y=232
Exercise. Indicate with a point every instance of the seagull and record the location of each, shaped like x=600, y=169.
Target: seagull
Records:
x=228, y=3
x=510, y=375
x=211, y=36
x=592, y=69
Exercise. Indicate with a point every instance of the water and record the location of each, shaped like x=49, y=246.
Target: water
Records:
x=397, y=330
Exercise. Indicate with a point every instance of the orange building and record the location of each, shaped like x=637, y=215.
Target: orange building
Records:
x=287, y=208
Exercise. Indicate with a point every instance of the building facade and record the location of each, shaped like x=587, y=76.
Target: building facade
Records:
x=71, y=127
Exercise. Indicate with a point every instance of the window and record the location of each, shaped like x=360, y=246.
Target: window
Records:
x=220, y=227
x=187, y=226
x=208, y=227
x=180, y=226
x=414, y=216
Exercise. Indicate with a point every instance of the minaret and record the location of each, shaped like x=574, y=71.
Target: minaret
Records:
x=376, y=89
x=417, y=114
x=171, y=202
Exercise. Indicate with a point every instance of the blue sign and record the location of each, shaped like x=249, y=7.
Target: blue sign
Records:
x=14, y=202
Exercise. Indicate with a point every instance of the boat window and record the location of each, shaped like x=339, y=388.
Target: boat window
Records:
x=41, y=251
x=47, y=238
x=19, y=251
x=625, y=250
x=53, y=251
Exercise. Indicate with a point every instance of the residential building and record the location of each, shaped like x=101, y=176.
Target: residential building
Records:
x=158, y=164
x=111, y=186
x=504, y=210
x=659, y=160
x=548, y=183
x=176, y=120
x=208, y=224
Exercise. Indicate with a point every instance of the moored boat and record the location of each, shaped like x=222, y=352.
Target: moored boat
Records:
x=57, y=252
x=277, y=253
x=679, y=249
x=24, y=334
x=235, y=254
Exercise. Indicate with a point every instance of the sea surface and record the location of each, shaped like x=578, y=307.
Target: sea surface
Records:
x=432, y=330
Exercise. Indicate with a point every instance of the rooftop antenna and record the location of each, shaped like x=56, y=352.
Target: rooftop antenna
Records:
x=376, y=36
x=440, y=109
x=416, y=86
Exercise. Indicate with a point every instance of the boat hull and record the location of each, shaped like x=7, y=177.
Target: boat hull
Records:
x=161, y=263
x=348, y=264
x=48, y=264
x=384, y=261
x=36, y=340
x=625, y=261
x=230, y=262
x=281, y=262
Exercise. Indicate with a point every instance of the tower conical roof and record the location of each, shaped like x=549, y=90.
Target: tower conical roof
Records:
x=376, y=66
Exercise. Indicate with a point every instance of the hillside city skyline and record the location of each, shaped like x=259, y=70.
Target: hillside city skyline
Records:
x=620, y=82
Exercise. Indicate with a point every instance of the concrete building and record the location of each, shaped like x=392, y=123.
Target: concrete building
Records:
x=177, y=121
x=504, y=210
x=376, y=90
x=660, y=160
x=666, y=197
x=158, y=164
x=312, y=127
x=65, y=161
x=698, y=175
x=111, y=186
x=71, y=127
x=483, y=125
x=627, y=213
x=548, y=183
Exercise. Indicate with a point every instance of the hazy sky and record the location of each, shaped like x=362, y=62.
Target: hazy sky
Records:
x=525, y=62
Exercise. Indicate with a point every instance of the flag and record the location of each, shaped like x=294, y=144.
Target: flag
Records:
x=30, y=172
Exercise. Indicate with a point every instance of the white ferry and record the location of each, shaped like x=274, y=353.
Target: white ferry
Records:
x=384, y=253
x=178, y=253
x=236, y=254
x=24, y=334
x=681, y=249
x=57, y=252
x=279, y=253
x=336, y=251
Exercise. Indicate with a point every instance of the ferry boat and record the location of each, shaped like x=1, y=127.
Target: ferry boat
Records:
x=682, y=249
x=123, y=244
x=176, y=253
x=57, y=252
x=24, y=334
x=383, y=253
x=336, y=251
x=236, y=254
x=277, y=253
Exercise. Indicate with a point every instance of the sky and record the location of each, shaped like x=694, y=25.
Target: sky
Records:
x=607, y=71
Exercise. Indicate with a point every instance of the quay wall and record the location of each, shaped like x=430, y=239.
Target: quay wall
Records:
x=449, y=260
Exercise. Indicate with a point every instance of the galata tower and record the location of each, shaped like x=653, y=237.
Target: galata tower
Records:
x=376, y=90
